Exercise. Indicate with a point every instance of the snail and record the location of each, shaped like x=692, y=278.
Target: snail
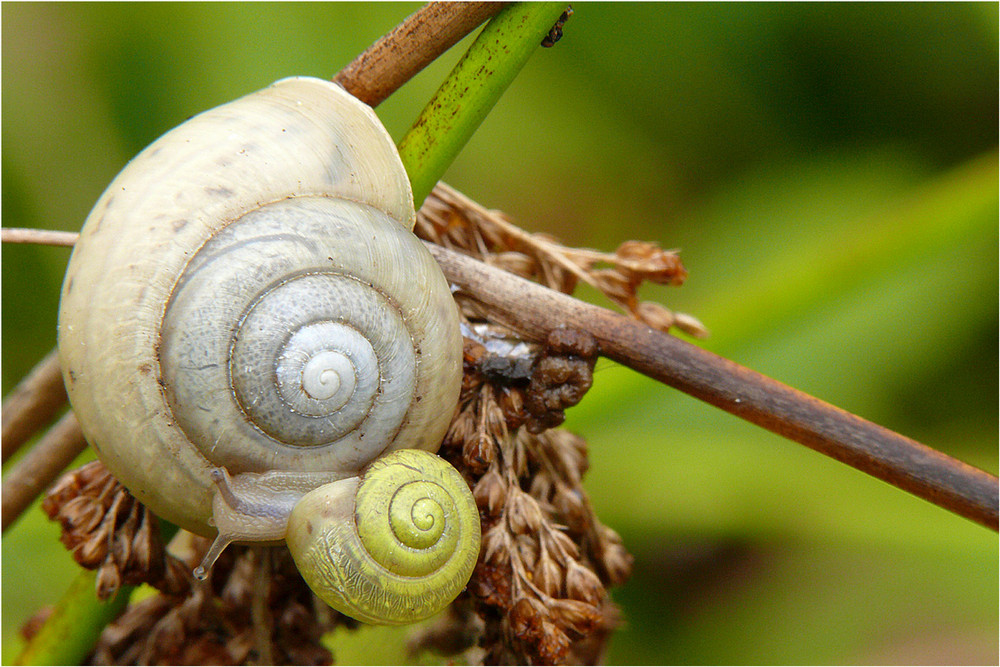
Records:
x=258, y=348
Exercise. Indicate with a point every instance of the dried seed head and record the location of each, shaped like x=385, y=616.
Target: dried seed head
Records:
x=552, y=644
x=541, y=487
x=478, y=452
x=583, y=585
x=147, y=549
x=569, y=452
x=109, y=579
x=79, y=515
x=176, y=578
x=655, y=315
x=525, y=616
x=515, y=452
x=528, y=561
x=491, y=583
x=558, y=278
x=616, y=560
x=91, y=554
x=493, y=418
x=548, y=576
x=579, y=616
x=527, y=551
x=462, y=428
x=495, y=546
x=562, y=544
x=204, y=628
x=572, y=507
x=647, y=261
x=523, y=514
x=511, y=402
x=515, y=262
x=490, y=493
x=691, y=325
x=121, y=547
x=617, y=287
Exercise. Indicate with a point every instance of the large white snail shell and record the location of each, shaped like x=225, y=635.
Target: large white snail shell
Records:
x=224, y=194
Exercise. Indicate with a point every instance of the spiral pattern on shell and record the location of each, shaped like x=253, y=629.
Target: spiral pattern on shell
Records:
x=401, y=551
x=314, y=347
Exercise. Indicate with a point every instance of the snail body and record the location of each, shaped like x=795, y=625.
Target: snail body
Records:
x=248, y=319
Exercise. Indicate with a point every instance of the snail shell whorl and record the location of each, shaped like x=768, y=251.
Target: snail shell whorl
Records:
x=185, y=264
x=396, y=546
x=317, y=335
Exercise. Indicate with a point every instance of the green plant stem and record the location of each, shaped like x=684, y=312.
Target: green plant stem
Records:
x=78, y=619
x=71, y=631
x=472, y=88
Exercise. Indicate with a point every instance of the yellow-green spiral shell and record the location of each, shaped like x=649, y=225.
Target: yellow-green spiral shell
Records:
x=394, y=546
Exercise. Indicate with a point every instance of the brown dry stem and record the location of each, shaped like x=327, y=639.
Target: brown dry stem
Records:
x=40, y=466
x=37, y=236
x=32, y=404
x=412, y=45
x=531, y=310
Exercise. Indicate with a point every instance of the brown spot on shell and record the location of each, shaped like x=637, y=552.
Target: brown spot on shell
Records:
x=221, y=191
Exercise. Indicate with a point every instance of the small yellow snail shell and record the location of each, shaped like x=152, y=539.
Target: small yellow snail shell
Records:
x=248, y=319
x=407, y=526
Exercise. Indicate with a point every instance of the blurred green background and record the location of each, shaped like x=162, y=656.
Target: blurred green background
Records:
x=830, y=174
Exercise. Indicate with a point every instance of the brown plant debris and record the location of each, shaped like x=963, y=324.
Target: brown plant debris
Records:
x=108, y=530
x=540, y=588
x=536, y=382
x=556, y=33
x=560, y=377
x=253, y=609
x=454, y=221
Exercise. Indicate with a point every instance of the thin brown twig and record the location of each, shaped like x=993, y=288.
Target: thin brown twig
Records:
x=532, y=311
x=40, y=467
x=412, y=45
x=33, y=403
x=37, y=236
